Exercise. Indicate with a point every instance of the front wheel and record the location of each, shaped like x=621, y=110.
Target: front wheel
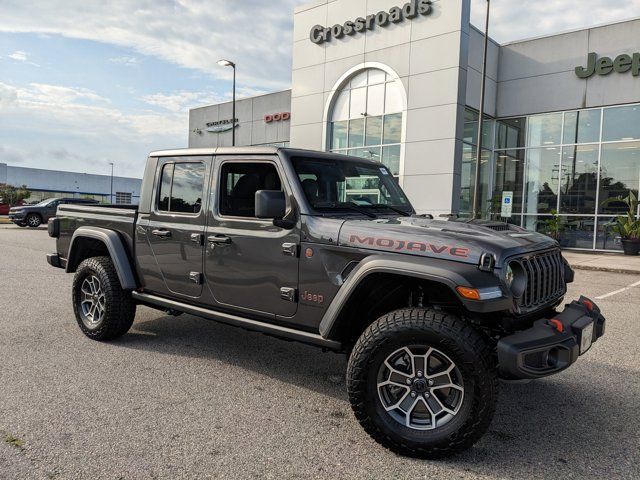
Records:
x=34, y=220
x=423, y=383
x=104, y=311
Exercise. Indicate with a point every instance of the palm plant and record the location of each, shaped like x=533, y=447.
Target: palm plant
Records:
x=627, y=226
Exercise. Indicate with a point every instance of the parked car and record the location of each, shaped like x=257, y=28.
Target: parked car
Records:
x=431, y=312
x=35, y=215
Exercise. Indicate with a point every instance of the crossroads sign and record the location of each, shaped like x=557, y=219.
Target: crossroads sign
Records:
x=409, y=11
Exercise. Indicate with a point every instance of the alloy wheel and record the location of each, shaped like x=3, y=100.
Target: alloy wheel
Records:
x=92, y=302
x=420, y=387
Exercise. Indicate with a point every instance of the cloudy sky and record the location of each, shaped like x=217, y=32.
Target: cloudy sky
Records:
x=85, y=82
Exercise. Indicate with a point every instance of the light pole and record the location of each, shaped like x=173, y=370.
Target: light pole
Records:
x=111, y=194
x=476, y=211
x=228, y=63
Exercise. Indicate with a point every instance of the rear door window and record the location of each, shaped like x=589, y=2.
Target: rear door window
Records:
x=181, y=187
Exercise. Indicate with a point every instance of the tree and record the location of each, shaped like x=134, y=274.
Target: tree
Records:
x=12, y=195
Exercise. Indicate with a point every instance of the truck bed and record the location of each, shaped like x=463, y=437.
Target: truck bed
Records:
x=121, y=218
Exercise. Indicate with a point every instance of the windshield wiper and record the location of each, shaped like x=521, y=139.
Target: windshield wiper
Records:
x=354, y=207
x=395, y=209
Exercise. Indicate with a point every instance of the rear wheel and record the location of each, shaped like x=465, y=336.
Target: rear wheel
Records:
x=33, y=220
x=422, y=383
x=103, y=310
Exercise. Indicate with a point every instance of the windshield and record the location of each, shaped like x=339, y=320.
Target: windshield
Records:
x=350, y=185
x=45, y=202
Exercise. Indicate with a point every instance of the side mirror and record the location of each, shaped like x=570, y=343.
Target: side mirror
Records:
x=270, y=204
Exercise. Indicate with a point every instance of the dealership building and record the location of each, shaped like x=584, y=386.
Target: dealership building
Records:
x=400, y=83
x=45, y=184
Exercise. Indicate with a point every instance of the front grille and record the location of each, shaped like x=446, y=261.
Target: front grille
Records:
x=545, y=279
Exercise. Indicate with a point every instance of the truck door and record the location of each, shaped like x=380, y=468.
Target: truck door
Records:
x=250, y=264
x=175, y=230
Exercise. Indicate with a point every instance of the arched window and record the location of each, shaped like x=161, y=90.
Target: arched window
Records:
x=366, y=119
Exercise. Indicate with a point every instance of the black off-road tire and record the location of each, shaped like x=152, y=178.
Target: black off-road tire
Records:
x=119, y=308
x=466, y=347
x=33, y=220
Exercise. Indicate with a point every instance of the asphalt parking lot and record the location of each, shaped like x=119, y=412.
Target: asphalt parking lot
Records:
x=187, y=398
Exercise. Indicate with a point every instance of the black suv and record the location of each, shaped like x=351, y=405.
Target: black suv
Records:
x=35, y=215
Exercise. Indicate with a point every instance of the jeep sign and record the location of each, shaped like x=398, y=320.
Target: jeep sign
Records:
x=605, y=65
x=409, y=11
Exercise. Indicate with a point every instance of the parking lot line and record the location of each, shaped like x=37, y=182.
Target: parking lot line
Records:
x=621, y=290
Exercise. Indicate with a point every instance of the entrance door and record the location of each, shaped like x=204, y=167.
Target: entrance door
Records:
x=175, y=231
x=250, y=264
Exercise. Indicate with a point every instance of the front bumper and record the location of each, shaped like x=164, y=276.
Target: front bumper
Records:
x=551, y=345
x=17, y=217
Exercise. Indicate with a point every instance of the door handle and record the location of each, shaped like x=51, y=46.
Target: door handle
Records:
x=161, y=233
x=219, y=240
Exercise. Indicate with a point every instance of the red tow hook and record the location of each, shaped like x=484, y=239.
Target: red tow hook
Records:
x=587, y=303
x=557, y=324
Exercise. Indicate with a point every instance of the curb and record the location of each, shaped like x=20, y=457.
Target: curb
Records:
x=591, y=268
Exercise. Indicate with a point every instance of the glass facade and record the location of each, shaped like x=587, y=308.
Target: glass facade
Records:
x=366, y=120
x=562, y=169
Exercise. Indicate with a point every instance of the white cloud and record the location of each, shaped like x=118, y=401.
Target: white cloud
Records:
x=530, y=18
x=22, y=56
x=19, y=55
x=189, y=33
x=126, y=61
x=85, y=127
x=180, y=101
x=78, y=110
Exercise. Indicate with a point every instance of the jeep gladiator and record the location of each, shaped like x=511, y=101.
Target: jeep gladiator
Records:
x=326, y=249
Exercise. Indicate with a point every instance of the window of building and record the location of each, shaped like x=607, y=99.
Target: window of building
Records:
x=510, y=133
x=574, y=164
x=123, y=198
x=621, y=124
x=544, y=130
x=619, y=175
x=239, y=183
x=579, y=179
x=541, y=186
x=582, y=126
x=508, y=177
x=366, y=119
x=181, y=187
x=469, y=160
x=471, y=118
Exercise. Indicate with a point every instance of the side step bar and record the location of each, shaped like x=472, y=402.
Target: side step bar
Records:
x=254, y=325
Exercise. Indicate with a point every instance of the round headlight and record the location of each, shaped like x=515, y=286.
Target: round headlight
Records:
x=509, y=276
x=516, y=278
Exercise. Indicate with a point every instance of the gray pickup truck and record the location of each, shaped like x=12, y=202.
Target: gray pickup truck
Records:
x=326, y=249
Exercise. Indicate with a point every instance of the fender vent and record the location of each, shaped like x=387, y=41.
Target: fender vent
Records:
x=348, y=269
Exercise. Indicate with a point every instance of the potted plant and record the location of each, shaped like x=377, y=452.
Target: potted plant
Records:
x=554, y=227
x=627, y=226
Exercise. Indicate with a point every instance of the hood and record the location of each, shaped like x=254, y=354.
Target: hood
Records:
x=458, y=240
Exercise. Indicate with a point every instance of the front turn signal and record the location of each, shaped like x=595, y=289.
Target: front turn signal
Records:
x=468, y=293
